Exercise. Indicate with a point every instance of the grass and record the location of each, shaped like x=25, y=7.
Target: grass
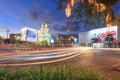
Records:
x=62, y=72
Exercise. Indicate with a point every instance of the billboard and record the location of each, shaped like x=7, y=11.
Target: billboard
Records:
x=31, y=35
x=99, y=35
x=28, y=34
x=104, y=34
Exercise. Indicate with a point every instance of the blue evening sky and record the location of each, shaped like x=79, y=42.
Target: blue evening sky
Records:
x=15, y=14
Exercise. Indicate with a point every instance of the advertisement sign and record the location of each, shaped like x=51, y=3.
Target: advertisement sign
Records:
x=104, y=35
x=28, y=34
x=52, y=39
x=31, y=35
x=75, y=40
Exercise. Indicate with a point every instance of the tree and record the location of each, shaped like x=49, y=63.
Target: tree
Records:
x=117, y=20
x=89, y=12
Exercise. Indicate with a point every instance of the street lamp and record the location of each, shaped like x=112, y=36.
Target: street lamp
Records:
x=15, y=37
x=72, y=39
x=18, y=39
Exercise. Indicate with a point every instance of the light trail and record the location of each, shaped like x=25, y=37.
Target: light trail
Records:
x=67, y=55
x=35, y=63
x=34, y=55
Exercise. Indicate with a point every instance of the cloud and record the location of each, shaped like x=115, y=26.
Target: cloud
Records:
x=60, y=27
x=37, y=5
x=68, y=26
x=47, y=11
x=34, y=14
x=74, y=26
x=45, y=16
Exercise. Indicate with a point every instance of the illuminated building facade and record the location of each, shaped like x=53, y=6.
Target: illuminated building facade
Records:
x=15, y=36
x=28, y=34
x=103, y=37
x=41, y=37
x=61, y=39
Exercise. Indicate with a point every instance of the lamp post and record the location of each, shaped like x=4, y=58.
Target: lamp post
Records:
x=17, y=39
x=61, y=40
x=72, y=39
x=69, y=42
x=37, y=38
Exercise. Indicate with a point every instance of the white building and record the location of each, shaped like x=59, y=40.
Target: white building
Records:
x=100, y=37
x=41, y=37
x=28, y=34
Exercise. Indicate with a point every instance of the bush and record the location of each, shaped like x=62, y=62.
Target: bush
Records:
x=51, y=73
x=31, y=44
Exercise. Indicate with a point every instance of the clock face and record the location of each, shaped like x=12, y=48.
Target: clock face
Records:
x=42, y=25
x=46, y=25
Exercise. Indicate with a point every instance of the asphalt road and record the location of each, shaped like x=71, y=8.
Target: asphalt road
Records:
x=39, y=57
x=4, y=50
x=106, y=60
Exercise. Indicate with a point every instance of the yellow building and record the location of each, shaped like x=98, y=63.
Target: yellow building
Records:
x=43, y=35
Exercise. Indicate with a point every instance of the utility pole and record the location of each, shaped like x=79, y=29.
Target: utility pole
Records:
x=5, y=30
x=7, y=33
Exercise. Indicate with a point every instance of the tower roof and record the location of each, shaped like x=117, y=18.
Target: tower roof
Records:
x=44, y=24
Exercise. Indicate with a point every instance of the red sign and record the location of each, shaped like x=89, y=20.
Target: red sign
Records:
x=103, y=35
x=114, y=40
x=108, y=32
x=113, y=32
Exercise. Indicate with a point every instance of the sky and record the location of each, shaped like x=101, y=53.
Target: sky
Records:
x=16, y=14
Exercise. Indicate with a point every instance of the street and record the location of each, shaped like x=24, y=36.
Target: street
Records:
x=40, y=57
x=105, y=59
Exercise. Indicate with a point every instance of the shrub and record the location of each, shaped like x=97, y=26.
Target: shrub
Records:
x=51, y=73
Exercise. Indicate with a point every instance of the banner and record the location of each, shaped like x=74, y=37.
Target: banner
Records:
x=31, y=35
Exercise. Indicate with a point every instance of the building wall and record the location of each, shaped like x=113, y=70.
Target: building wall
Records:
x=99, y=35
x=84, y=37
x=1, y=40
x=28, y=34
x=41, y=37
x=61, y=39
x=15, y=36
x=118, y=34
